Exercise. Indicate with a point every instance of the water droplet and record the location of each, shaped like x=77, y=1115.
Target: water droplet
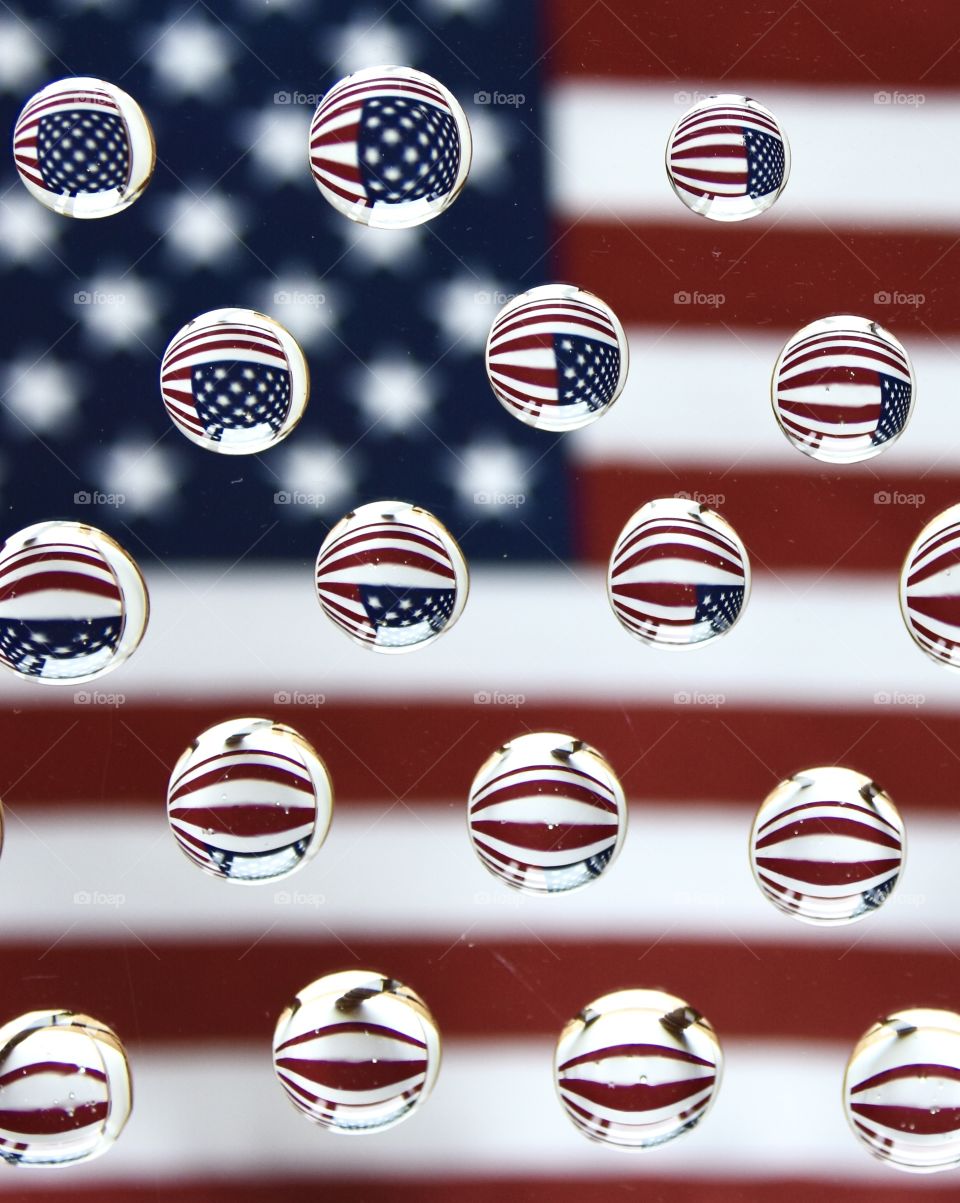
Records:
x=397, y=597
x=84, y=148
x=546, y=813
x=76, y=608
x=843, y=389
x=43, y=1052
x=588, y=349
x=727, y=158
x=236, y=833
x=929, y=592
x=827, y=846
x=892, y=1078
x=409, y=156
x=677, y=542
x=356, y=1052
x=248, y=399
x=660, y=1080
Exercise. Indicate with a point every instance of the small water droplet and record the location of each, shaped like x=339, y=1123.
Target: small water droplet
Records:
x=929, y=598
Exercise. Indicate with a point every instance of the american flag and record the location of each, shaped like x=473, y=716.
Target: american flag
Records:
x=101, y=911
x=73, y=141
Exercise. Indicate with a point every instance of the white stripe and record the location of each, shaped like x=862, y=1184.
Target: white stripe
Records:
x=196, y=1106
x=690, y=862
x=593, y=126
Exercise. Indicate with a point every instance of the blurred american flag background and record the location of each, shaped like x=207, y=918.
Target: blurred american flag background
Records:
x=570, y=104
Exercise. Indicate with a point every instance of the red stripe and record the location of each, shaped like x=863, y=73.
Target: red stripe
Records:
x=352, y=1075
x=827, y=825
x=919, y=1120
x=636, y=1098
x=832, y=873
x=545, y=836
x=248, y=820
x=51, y=1120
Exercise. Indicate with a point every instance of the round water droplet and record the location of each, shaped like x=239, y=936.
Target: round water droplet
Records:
x=74, y=603
x=901, y=1090
x=557, y=357
x=390, y=147
x=843, y=389
x=637, y=1068
x=83, y=148
x=391, y=576
x=728, y=158
x=827, y=846
x=65, y=1089
x=546, y=813
x=679, y=574
x=356, y=1052
x=930, y=588
x=234, y=381
x=250, y=801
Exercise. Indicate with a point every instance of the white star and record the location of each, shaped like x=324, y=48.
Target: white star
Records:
x=314, y=475
x=373, y=249
x=118, y=310
x=302, y=302
x=491, y=476
x=200, y=230
x=394, y=392
x=276, y=139
x=191, y=57
x=465, y=308
x=41, y=392
x=368, y=41
x=140, y=471
x=22, y=52
x=27, y=230
x=493, y=137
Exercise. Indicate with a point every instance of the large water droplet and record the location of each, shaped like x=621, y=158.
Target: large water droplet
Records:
x=391, y=576
x=727, y=158
x=679, y=574
x=356, y=1052
x=74, y=604
x=234, y=381
x=546, y=813
x=843, y=389
x=637, y=1068
x=827, y=846
x=930, y=589
x=46, y=1059
x=83, y=148
x=586, y=347
x=390, y=147
x=901, y=1090
x=223, y=797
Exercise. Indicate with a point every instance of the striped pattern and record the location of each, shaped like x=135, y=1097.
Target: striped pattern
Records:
x=727, y=158
x=902, y=1090
x=827, y=846
x=637, y=1068
x=426, y=115
x=69, y=98
x=546, y=813
x=391, y=576
x=64, y=1089
x=678, y=574
x=556, y=357
x=224, y=341
x=356, y=1052
x=250, y=801
x=843, y=389
x=930, y=588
